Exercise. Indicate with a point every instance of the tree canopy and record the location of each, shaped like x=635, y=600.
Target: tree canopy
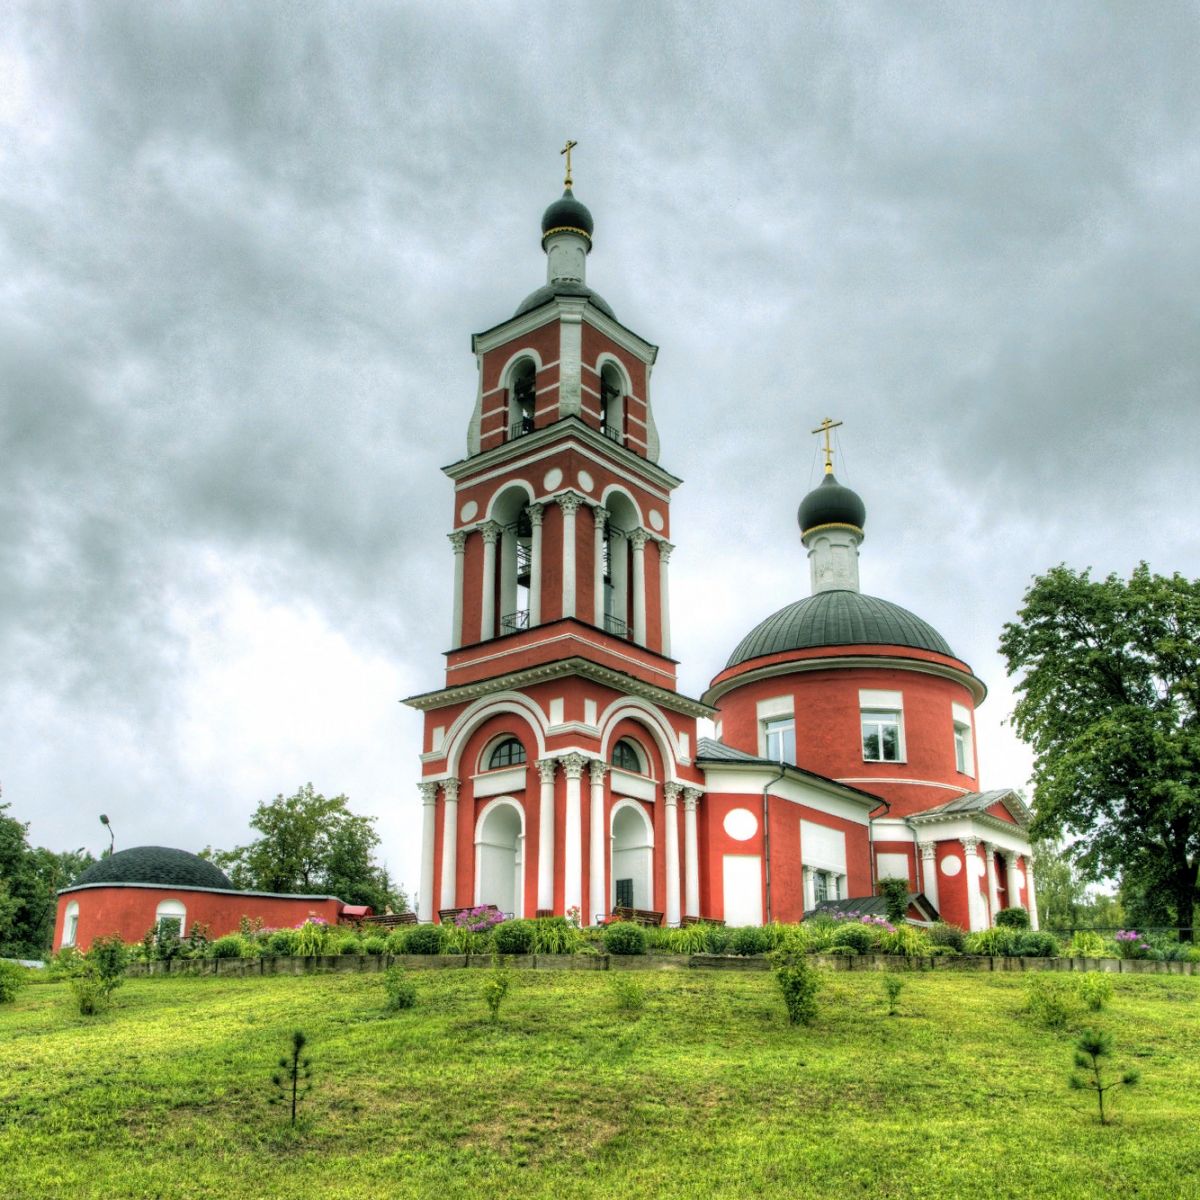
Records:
x=1109, y=686
x=312, y=844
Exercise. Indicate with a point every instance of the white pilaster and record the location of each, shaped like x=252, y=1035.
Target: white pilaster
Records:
x=570, y=358
x=600, y=516
x=810, y=897
x=573, y=765
x=489, y=531
x=664, y=589
x=637, y=541
x=535, y=565
x=450, y=844
x=458, y=539
x=597, y=885
x=569, y=502
x=671, y=793
x=989, y=849
x=691, y=854
x=975, y=918
x=929, y=879
x=1031, y=893
x=545, y=902
x=428, y=845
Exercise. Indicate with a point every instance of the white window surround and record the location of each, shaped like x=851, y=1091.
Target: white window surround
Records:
x=70, y=923
x=777, y=738
x=879, y=709
x=964, y=742
x=172, y=910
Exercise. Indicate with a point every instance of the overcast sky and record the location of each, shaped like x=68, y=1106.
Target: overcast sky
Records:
x=243, y=248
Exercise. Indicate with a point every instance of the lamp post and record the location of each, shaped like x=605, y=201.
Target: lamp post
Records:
x=112, y=842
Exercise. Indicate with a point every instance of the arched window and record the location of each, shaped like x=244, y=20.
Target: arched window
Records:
x=612, y=403
x=625, y=755
x=509, y=753
x=523, y=399
x=171, y=911
x=71, y=923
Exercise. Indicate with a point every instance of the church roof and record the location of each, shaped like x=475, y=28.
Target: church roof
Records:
x=838, y=618
x=977, y=802
x=563, y=287
x=155, y=864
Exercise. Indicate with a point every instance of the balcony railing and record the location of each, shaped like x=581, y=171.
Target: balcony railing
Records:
x=515, y=621
x=615, y=625
x=520, y=428
x=613, y=434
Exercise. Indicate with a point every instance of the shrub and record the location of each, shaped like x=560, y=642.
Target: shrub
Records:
x=718, y=938
x=799, y=982
x=624, y=937
x=1087, y=944
x=348, y=943
x=425, y=939
x=999, y=942
x=462, y=940
x=1089, y=1050
x=108, y=957
x=66, y=963
x=281, y=942
x=749, y=939
x=895, y=896
x=513, y=937
x=893, y=985
x=165, y=940
x=482, y=919
x=628, y=991
x=950, y=936
x=813, y=937
x=12, y=980
x=197, y=940
x=397, y=941
x=1131, y=944
x=854, y=937
x=1034, y=944
x=399, y=989
x=1095, y=989
x=90, y=992
x=1013, y=918
x=232, y=945
x=496, y=985
x=1051, y=1000
x=904, y=939
x=375, y=944
x=311, y=937
x=295, y=1070
x=556, y=935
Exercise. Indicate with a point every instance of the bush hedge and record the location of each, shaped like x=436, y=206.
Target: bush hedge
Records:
x=624, y=937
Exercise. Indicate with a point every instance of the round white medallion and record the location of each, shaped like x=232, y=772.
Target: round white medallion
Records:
x=951, y=864
x=656, y=520
x=741, y=824
x=585, y=481
x=468, y=511
x=552, y=480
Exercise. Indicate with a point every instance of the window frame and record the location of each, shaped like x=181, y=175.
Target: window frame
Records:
x=782, y=727
x=882, y=719
x=634, y=750
x=71, y=924
x=171, y=904
x=503, y=744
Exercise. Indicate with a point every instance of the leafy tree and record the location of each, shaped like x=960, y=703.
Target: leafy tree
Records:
x=311, y=843
x=1109, y=688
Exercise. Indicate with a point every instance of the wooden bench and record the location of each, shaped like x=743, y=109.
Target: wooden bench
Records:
x=391, y=920
x=639, y=916
x=699, y=921
x=447, y=915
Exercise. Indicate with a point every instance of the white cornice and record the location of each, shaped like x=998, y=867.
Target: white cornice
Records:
x=557, y=308
x=754, y=776
x=568, y=638
x=948, y=787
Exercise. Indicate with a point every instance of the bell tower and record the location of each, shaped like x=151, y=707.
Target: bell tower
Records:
x=560, y=617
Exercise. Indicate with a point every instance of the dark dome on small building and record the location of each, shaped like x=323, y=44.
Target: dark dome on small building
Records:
x=838, y=618
x=567, y=213
x=563, y=287
x=156, y=864
x=831, y=503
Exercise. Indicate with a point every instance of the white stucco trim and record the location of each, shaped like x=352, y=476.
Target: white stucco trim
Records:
x=482, y=710
x=513, y=485
x=949, y=787
x=749, y=779
x=650, y=719
x=503, y=779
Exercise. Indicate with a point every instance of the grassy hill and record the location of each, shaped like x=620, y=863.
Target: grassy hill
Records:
x=707, y=1092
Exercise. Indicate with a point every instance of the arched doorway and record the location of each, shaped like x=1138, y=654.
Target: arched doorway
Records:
x=500, y=857
x=632, y=856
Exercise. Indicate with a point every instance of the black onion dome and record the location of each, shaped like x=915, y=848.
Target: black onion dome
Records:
x=156, y=864
x=838, y=618
x=563, y=287
x=567, y=213
x=830, y=503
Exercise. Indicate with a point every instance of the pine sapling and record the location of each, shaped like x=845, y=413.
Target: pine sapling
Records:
x=893, y=985
x=293, y=1071
x=1089, y=1050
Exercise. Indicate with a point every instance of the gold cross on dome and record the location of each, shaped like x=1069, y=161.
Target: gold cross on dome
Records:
x=824, y=427
x=567, y=151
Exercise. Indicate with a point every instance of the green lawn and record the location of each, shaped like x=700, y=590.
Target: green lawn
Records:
x=707, y=1093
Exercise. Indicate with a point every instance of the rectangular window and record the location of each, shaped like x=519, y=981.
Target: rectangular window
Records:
x=820, y=886
x=880, y=735
x=779, y=740
x=624, y=889
x=964, y=756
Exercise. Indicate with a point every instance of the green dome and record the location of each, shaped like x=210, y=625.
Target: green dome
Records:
x=838, y=618
x=156, y=864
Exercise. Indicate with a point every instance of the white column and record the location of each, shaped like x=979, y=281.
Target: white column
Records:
x=1011, y=881
x=490, y=532
x=535, y=565
x=664, y=589
x=691, y=854
x=600, y=516
x=545, y=892
x=597, y=885
x=569, y=502
x=618, y=550
x=428, y=844
x=989, y=849
x=810, y=898
x=458, y=539
x=573, y=765
x=450, y=844
x=637, y=540
x=1030, y=893
x=929, y=879
x=671, y=793
x=975, y=918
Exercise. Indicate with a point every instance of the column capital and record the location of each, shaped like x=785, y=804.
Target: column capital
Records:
x=969, y=844
x=450, y=788
x=600, y=514
x=428, y=790
x=990, y=847
x=546, y=768
x=458, y=539
x=638, y=538
x=597, y=767
x=569, y=502
x=573, y=765
x=1010, y=857
x=490, y=531
x=616, y=532
x=664, y=551
x=928, y=850
x=691, y=797
x=535, y=512
x=672, y=792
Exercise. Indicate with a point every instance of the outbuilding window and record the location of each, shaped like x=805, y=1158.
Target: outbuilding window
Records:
x=71, y=924
x=171, y=913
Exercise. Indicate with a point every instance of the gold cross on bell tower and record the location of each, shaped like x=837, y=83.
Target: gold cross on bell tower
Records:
x=567, y=151
x=824, y=427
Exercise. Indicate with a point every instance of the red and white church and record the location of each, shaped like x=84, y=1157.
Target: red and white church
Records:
x=561, y=768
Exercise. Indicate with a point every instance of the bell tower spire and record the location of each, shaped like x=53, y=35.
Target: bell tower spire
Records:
x=831, y=521
x=567, y=233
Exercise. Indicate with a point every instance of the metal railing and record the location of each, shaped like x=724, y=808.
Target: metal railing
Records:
x=514, y=621
x=612, y=433
x=615, y=625
x=520, y=428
